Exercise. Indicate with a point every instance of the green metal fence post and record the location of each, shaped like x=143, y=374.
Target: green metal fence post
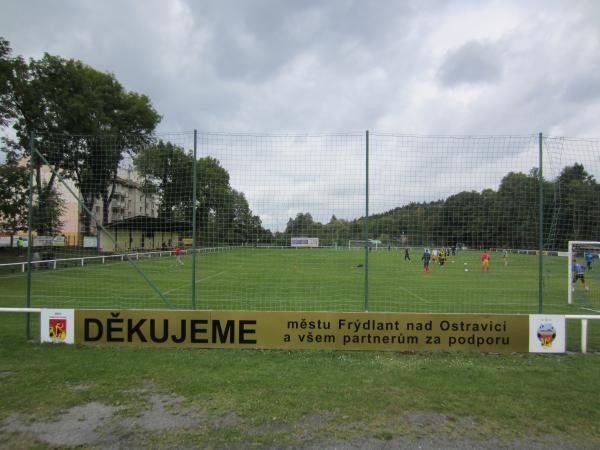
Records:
x=194, y=209
x=29, y=236
x=366, y=229
x=541, y=230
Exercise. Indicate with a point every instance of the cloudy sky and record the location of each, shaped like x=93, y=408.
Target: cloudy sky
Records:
x=317, y=67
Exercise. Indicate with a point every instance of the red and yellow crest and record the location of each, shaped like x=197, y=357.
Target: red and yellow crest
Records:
x=57, y=329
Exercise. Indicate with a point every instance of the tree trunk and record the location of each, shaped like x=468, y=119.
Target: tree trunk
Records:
x=107, y=199
x=85, y=218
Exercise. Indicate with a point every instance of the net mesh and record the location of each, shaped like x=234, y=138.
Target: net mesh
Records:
x=111, y=213
x=584, y=281
x=456, y=197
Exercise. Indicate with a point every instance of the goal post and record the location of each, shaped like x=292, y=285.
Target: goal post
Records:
x=584, y=253
x=361, y=243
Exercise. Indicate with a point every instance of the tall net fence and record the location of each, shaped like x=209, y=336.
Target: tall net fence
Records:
x=97, y=219
x=341, y=222
x=456, y=197
x=572, y=213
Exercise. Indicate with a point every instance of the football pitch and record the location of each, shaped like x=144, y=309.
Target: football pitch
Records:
x=273, y=279
x=281, y=398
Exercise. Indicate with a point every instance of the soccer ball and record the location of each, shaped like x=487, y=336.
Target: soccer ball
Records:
x=466, y=270
x=465, y=264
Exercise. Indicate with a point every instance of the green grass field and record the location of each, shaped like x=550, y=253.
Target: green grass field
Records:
x=69, y=396
x=58, y=396
x=306, y=280
x=311, y=280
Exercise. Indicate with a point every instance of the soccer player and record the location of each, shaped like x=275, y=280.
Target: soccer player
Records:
x=406, y=255
x=19, y=246
x=589, y=259
x=505, y=257
x=579, y=274
x=178, y=260
x=485, y=261
x=426, y=258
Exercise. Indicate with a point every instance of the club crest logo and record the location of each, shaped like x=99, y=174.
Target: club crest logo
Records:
x=546, y=333
x=57, y=330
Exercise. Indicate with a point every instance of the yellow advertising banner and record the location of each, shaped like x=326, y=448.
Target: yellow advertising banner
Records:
x=304, y=330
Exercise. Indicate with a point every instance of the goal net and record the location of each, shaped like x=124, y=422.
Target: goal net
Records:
x=584, y=274
x=361, y=243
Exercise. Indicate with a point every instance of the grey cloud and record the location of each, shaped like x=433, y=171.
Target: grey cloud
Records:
x=582, y=89
x=472, y=63
x=343, y=65
x=226, y=65
x=254, y=40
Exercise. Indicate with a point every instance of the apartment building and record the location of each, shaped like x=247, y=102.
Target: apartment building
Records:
x=129, y=200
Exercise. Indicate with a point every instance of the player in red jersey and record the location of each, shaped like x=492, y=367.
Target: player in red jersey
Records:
x=485, y=261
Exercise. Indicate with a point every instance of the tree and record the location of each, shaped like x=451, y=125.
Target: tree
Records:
x=14, y=194
x=214, y=197
x=7, y=64
x=518, y=210
x=243, y=227
x=167, y=171
x=302, y=225
x=47, y=211
x=578, y=200
x=84, y=123
x=223, y=214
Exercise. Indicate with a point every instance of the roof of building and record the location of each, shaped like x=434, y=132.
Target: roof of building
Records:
x=147, y=223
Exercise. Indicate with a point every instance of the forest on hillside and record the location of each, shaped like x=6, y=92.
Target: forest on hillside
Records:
x=503, y=218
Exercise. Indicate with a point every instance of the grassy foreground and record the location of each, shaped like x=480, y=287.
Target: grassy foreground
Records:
x=304, y=399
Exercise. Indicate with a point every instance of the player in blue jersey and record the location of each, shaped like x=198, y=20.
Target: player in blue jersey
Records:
x=426, y=258
x=589, y=259
x=579, y=274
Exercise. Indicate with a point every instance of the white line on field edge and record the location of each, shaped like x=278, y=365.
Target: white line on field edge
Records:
x=197, y=281
x=414, y=295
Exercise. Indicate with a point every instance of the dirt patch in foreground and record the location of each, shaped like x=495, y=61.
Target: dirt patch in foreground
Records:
x=79, y=425
x=102, y=425
x=97, y=425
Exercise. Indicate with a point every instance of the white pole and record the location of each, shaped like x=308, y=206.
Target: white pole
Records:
x=570, y=273
x=584, y=328
x=25, y=310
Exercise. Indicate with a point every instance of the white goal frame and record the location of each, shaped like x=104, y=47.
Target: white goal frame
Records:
x=371, y=244
x=570, y=262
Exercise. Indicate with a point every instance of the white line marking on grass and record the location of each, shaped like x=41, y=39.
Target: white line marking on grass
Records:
x=589, y=309
x=415, y=295
x=197, y=281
